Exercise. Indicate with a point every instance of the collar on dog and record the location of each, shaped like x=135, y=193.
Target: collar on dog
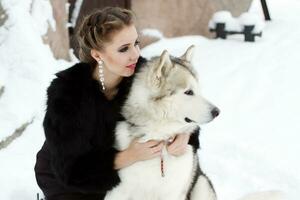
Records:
x=162, y=166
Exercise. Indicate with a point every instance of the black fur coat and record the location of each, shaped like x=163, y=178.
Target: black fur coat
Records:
x=77, y=156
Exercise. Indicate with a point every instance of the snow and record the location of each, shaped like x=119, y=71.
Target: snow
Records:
x=152, y=33
x=27, y=67
x=42, y=15
x=250, y=19
x=225, y=17
x=252, y=146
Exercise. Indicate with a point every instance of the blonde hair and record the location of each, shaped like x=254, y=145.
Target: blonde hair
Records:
x=98, y=28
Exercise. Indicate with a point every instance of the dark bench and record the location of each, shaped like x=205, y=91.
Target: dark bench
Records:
x=222, y=31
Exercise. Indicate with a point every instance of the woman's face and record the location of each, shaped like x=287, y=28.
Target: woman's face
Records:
x=121, y=54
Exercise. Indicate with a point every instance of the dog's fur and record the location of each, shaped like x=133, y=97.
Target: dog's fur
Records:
x=164, y=100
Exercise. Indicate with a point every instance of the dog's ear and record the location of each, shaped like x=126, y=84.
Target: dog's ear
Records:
x=163, y=67
x=188, y=55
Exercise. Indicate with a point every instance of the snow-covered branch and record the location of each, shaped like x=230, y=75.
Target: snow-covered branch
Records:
x=1, y=90
x=17, y=133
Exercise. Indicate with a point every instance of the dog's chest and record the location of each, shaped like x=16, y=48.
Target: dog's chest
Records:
x=146, y=177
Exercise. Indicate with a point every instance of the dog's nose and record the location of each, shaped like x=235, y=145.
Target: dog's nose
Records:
x=215, y=112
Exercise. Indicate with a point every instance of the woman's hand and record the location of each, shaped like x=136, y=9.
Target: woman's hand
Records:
x=145, y=151
x=138, y=152
x=177, y=146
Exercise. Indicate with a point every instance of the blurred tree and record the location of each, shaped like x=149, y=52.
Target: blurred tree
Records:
x=3, y=15
x=58, y=39
x=2, y=88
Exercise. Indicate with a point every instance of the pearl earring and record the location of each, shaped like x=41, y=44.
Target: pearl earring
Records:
x=101, y=74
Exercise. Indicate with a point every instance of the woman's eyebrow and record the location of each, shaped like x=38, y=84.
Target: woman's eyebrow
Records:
x=128, y=43
x=124, y=45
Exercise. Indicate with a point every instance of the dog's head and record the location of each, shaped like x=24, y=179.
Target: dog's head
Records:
x=175, y=90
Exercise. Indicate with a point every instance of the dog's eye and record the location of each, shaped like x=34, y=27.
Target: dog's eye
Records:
x=189, y=92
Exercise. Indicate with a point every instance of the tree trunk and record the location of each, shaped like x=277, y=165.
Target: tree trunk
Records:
x=58, y=39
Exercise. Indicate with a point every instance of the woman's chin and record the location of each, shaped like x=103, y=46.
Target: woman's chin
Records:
x=128, y=73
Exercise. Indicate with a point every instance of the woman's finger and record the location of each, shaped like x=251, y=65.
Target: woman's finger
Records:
x=157, y=148
x=152, y=143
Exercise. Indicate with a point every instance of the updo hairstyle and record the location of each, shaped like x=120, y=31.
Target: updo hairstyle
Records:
x=97, y=28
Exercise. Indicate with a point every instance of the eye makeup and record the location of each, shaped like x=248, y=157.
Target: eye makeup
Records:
x=125, y=47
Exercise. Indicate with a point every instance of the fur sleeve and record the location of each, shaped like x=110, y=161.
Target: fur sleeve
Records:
x=78, y=159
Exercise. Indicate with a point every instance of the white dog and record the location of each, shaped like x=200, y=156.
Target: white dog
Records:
x=164, y=99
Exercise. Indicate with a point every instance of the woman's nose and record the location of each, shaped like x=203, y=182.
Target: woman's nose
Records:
x=135, y=53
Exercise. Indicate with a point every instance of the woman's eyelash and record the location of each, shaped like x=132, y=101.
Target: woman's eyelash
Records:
x=123, y=49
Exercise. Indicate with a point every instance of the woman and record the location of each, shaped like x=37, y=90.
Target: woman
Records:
x=77, y=160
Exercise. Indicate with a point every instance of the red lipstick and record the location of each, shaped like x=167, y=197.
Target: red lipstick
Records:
x=132, y=66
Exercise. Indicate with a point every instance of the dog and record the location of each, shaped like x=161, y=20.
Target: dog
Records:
x=164, y=99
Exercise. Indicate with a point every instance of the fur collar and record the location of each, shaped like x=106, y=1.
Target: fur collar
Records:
x=79, y=71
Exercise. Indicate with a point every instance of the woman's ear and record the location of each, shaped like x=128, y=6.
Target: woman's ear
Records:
x=95, y=54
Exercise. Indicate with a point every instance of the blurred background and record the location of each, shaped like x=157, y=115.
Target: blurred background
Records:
x=252, y=146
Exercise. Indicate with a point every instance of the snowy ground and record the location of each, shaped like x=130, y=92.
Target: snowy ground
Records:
x=252, y=146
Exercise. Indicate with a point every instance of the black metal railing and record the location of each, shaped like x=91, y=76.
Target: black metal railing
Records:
x=248, y=32
x=38, y=197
